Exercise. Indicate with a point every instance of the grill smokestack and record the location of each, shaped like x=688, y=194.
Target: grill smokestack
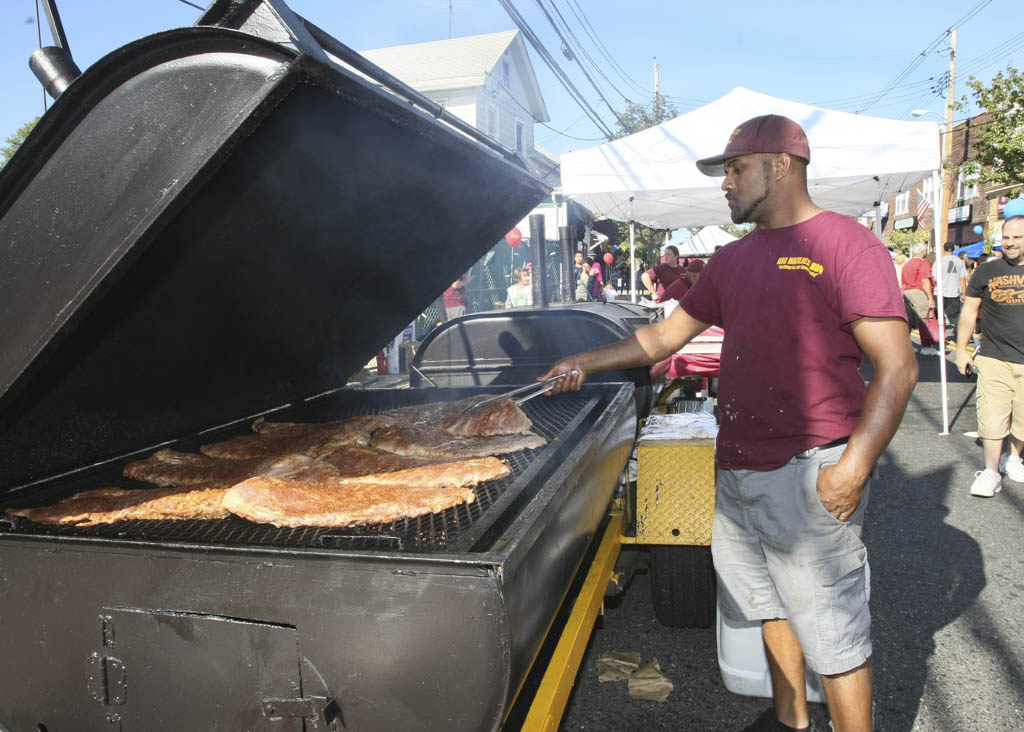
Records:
x=540, y=267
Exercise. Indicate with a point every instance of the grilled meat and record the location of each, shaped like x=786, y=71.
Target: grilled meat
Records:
x=368, y=499
x=173, y=468
x=109, y=505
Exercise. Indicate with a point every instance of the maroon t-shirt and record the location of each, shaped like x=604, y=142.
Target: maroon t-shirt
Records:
x=662, y=275
x=455, y=297
x=676, y=290
x=790, y=365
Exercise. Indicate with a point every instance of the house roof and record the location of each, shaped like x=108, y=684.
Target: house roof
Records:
x=459, y=63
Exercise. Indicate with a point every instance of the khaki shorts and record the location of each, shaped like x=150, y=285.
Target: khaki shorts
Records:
x=918, y=305
x=1000, y=398
x=779, y=554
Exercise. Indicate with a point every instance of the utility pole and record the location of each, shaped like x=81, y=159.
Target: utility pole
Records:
x=451, y=12
x=942, y=223
x=657, y=95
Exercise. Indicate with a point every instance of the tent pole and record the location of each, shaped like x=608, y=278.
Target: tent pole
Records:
x=632, y=264
x=940, y=240
x=632, y=255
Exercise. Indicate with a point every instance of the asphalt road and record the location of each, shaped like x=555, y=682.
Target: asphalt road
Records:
x=947, y=601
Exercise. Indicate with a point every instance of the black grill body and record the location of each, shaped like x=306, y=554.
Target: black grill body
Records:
x=213, y=224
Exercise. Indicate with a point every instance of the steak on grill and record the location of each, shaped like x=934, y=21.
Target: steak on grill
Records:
x=286, y=438
x=504, y=417
x=109, y=505
x=368, y=499
x=173, y=468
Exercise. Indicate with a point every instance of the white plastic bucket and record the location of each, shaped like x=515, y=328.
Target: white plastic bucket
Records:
x=744, y=665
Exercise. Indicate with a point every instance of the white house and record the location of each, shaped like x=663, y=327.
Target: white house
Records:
x=485, y=80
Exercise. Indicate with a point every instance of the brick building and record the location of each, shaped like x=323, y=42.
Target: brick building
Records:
x=970, y=205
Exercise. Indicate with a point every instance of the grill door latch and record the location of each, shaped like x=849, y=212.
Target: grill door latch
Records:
x=323, y=712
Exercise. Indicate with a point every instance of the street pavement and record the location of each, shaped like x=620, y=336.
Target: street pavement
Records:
x=947, y=601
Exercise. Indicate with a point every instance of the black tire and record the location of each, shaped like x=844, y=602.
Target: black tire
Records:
x=683, y=586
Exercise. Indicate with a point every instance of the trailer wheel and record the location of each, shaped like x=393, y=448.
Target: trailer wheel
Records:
x=683, y=586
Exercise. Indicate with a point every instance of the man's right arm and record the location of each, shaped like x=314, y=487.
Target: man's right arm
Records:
x=645, y=347
x=964, y=331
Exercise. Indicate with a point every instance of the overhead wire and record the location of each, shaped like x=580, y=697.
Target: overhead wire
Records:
x=920, y=59
x=566, y=82
x=581, y=51
x=589, y=78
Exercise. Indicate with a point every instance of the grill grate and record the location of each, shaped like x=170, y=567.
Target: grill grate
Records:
x=552, y=418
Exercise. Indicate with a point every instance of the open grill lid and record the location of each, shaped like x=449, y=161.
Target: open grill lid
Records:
x=208, y=224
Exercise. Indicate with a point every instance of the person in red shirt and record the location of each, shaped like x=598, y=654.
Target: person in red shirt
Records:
x=455, y=298
x=916, y=281
x=680, y=287
x=662, y=275
x=799, y=434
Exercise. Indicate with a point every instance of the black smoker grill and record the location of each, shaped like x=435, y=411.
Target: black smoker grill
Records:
x=508, y=347
x=208, y=226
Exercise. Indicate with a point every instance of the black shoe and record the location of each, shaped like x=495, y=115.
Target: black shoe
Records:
x=768, y=722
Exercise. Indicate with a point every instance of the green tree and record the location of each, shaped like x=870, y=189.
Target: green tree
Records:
x=14, y=141
x=637, y=117
x=999, y=143
x=737, y=230
x=904, y=239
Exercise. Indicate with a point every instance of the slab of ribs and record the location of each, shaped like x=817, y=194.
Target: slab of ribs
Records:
x=367, y=469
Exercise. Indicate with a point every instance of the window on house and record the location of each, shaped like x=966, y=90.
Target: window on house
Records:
x=506, y=75
x=519, y=137
x=492, y=122
x=966, y=188
x=902, y=203
x=927, y=186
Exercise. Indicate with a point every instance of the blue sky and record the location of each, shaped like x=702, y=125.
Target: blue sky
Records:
x=841, y=55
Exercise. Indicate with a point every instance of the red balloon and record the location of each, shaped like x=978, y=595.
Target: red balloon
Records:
x=609, y=258
x=514, y=237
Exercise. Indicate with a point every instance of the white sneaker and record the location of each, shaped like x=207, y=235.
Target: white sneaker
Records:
x=1014, y=469
x=986, y=483
x=929, y=351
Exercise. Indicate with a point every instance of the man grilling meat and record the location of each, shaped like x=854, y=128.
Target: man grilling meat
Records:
x=801, y=299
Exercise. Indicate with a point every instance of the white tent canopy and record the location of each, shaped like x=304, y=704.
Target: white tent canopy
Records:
x=651, y=178
x=704, y=242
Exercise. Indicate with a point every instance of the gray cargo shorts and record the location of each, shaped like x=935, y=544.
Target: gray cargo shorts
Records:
x=779, y=554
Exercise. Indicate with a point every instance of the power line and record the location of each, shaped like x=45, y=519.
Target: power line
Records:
x=558, y=32
x=556, y=70
x=931, y=48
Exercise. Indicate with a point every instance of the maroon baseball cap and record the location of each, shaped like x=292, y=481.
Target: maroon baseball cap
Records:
x=695, y=265
x=769, y=133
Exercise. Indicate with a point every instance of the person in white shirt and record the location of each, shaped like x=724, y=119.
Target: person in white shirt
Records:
x=954, y=284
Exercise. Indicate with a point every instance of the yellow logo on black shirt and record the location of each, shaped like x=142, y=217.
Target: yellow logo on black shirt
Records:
x=1007, y=289
x=812, y=268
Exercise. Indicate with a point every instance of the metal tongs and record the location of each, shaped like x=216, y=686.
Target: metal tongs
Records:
x=528, y=392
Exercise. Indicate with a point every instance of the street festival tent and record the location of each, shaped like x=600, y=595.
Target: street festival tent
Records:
x=857, y=161
x=704, y=242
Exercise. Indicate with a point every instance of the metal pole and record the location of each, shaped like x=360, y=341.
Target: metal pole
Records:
x=940, y=313
x=565, y=246
x=632, y=255
x=540, y=291
x=943, y=222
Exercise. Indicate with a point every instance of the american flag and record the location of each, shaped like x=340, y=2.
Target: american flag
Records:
x=922, y=207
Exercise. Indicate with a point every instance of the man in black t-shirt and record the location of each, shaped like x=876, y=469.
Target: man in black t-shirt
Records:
x=997, y=290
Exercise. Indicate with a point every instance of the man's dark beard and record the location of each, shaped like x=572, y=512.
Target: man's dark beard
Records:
x=743, y=217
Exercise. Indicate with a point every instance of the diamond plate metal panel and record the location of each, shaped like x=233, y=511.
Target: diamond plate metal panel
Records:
x=675, y=500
